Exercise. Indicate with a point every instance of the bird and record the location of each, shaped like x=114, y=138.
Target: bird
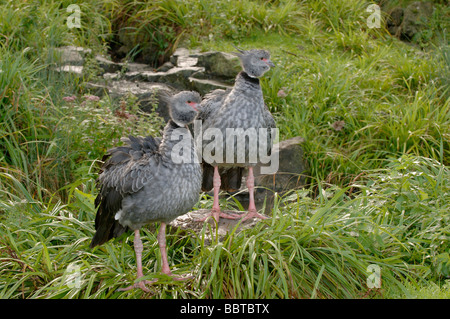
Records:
x=149, y=180
x=241, y=108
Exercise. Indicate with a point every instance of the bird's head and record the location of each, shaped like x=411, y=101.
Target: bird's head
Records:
x=255, y=62
x=184, y=107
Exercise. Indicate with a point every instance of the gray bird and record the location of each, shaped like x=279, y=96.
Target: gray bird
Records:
x=150, y=180
x=241, y=109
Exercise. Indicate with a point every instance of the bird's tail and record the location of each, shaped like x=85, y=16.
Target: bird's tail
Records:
x=106, y=226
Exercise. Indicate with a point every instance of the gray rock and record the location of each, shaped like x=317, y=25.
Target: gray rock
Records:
x=147, y=93
x=405, y=23
x=291, y=169
x=220, y=64
x=165, y=67
x=394, y=21
x=178, y=52
x=72, y=59
x=290, y=174
x=72, y=55
x=176, y=77
x=182, y=57
x=137, y=67
x=73, y=69
x=204, y=86
x=415, y=18
x=107, y=65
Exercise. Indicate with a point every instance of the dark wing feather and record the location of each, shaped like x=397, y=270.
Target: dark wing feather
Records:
x=120, y=174
x=108, y=201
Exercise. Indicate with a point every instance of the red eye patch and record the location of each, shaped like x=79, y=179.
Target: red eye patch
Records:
x=193, y=105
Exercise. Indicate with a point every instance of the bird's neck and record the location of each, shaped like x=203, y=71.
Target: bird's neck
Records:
x=176, y=138
x=244, y=82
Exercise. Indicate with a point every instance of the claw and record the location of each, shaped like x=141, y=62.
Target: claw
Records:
x=253, y=214
x=141, y=284
x=216, y=215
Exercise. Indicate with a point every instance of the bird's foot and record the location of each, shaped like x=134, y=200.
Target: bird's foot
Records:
x=253, y=214
x=141, y=284
x=219, y=214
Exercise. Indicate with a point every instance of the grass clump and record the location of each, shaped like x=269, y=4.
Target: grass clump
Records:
x=309, y=249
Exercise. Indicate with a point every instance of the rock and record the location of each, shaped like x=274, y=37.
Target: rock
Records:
x=416, y=15
x=176, y=77
x=147, y=94
x=165, y=67
x=73, y=59
x=394, y=21
x=107, y=65
x=70, y=59
x=72, y=55
x=405, y=23
x=137, y=67
x=291, y=167
x=183, y=58
x=290, y=174
x=204, y=86
x=220, y=64
x=187, y=70
x=73, y=69
x=178, y=52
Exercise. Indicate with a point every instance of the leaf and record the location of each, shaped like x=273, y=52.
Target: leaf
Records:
x=86, y=201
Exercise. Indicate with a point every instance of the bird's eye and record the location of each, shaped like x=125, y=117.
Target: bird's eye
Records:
x=188, y=102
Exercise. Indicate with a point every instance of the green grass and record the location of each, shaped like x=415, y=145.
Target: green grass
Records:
x=309, y=249
x=378, y=191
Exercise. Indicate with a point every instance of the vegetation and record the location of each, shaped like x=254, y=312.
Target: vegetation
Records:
x=374, y=111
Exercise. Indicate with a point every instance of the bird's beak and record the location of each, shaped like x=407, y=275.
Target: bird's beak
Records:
x=270, y=63
x=194, y=106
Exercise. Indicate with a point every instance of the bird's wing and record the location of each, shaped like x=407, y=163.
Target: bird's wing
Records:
x=126, y=167
x=212, y=103
x=125, y=171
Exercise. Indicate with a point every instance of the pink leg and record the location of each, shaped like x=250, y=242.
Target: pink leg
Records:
x=215, y=212
x=251, y=190
x=162, y=247
x=216, y=183
x=138, y=249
